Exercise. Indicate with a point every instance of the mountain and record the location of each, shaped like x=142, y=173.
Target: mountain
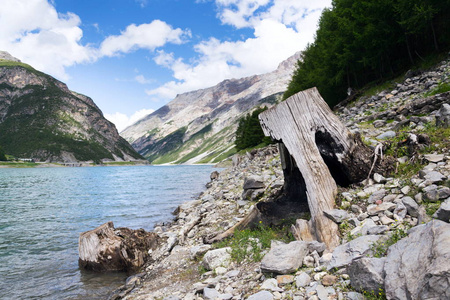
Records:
x=199, y=126
x=41, y=118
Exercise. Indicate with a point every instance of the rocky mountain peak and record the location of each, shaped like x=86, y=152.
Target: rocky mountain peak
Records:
x=6, y=56
x=193, y=118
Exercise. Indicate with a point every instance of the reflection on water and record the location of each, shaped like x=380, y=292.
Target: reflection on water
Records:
x=43, y=211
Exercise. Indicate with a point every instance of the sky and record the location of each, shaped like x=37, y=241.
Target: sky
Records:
x=134, y=56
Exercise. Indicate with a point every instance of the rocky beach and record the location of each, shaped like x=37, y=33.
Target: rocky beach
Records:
x=395, y=231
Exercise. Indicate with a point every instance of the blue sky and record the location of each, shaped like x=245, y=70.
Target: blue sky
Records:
x=134, y=56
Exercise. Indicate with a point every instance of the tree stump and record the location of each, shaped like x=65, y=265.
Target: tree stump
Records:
x=317, y=152
x=108, y=249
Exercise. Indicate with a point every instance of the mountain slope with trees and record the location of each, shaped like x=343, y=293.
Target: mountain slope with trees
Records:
x=363, y=41
x=41, y=118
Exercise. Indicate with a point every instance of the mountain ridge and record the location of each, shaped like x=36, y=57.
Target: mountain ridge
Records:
x=212, y=111
x=42, y=119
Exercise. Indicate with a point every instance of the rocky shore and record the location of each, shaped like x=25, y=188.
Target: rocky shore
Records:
x=395, y=231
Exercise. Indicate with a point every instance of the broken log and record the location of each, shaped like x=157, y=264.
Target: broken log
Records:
x=106, y=248
x=317, y=153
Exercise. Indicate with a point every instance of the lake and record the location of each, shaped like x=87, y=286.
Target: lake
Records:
x=43, y=211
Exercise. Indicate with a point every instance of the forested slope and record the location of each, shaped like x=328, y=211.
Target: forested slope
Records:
x=363, y=41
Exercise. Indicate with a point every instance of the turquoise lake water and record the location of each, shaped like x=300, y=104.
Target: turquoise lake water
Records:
x=43, y=211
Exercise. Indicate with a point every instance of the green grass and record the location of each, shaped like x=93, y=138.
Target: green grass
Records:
x=441, y=88
x=380, y=248
x=249, y=244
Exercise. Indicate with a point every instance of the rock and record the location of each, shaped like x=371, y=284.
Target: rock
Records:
x=434, y=158
x=198, y=251
x=434, y=177
x=106, y=248
x=216, y=258
x=355, y=296
x=285, y=279
x=418, y=198
x=367, y=274
x=210, y=293
x=319, y=276
x=253, y=183
x=329, y=280
x=374, y=209
x=214, y=175
x=430, y=193
x=386, y=135
x=309, y=261
x=386, y=221
x=400, y=210
x=284, y=258
x=356, y=209
x=322, y=293
x=336, y=215
x=378, y=195
x=443, y=116
x=379, y=123
x=343, y=255
x=377, y=229
x=220, y=270
x=271, y=284
x=405, y=190
x=411, y=206
x=389, y=198
x=302, y=280
x=263, y=295
x=378, y=178
x=316, y=246
x=417, y=267
x=443, y=213
x=443, y=192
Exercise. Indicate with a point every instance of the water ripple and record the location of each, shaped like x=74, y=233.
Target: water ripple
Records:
x=43, y=211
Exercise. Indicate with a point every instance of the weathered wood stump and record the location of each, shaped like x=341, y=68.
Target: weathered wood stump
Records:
x=106, y=248
x=317, y=152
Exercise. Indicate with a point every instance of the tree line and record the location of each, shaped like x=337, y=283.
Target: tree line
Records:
x=249, y=132
x=362, y=41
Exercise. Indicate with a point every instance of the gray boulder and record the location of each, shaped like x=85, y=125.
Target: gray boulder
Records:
x=263, y=295
x=443, y=213
x=443, y=116
x=386, y=135
x=210, y=293
x=417, y=267
x=434, y=177
x=302, y=280
x=336, y=215
x=216, y=258
x=284, y=258
x=443, y=192
x=411, y=206
x=254, y=183
x=431, y=193
x=378, y=195
x=344, y=254
x=367, y=274
x=355, y=296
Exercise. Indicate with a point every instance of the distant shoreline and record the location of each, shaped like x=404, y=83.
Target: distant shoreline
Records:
x=19, y=165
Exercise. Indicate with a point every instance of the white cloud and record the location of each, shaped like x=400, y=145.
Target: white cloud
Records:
x=50, y=41
x=122, y=121
x=142, y=80
x=145, y=36
x=142, y=3
x=280, y=28
x=33, y=31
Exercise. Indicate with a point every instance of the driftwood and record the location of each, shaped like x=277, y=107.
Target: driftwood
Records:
x=106, y=248
x=317, y=153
